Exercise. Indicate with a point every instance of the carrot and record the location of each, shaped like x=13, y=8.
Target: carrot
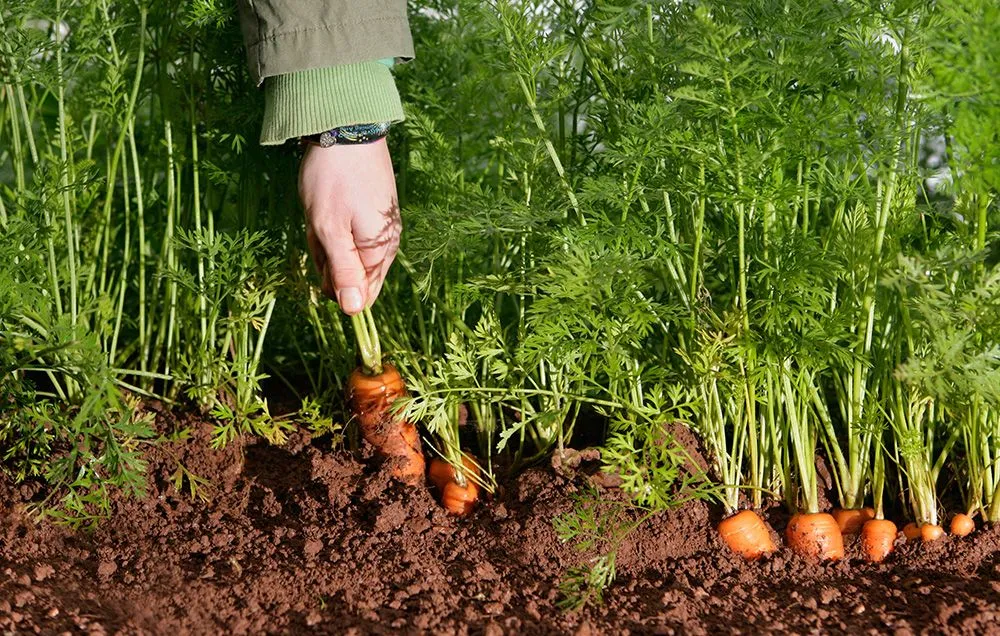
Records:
x=815, y=534
x=877, y=539
x=371, y=396
x=962, y=525
x=460, y=500
x=459, y=493
x=911, y=531
x=930, y=532
x=851, y=520
x=747, y=535
x=441, y=472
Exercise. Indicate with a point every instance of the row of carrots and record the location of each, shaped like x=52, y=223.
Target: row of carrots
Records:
x=821, y=535
x=374, y=386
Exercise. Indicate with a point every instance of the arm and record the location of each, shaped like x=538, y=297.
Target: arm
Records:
x=319, y=62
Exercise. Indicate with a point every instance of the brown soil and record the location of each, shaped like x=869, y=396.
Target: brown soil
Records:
x=301, y=539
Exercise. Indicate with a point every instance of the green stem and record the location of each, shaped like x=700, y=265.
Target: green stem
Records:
x=368, y=342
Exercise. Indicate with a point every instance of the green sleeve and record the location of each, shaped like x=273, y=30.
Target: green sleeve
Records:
x=309, y=102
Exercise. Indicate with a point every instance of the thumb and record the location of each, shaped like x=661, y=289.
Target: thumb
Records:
x=346, y=272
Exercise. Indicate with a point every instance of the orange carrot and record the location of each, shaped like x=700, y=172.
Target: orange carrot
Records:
x=441, y=472
x=460, y=500
x=851, y=520
x=371, y=397
x=877, y=539
x=746, y=534
x=816, y=535
x=911, y=531
x=962, y=525
x=930, y=532
x=457, y=498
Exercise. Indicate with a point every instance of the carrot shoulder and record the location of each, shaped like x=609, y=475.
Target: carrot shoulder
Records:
x=815, y=535
x=746, y=534
x=962, y=525
x=459, y=495
x=878, y=536
x=851, y=520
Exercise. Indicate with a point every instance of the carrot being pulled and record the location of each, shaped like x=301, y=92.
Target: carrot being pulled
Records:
x=371, y=390
x=747, y=535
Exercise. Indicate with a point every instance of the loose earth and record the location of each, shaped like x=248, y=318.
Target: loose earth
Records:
x=303, y=539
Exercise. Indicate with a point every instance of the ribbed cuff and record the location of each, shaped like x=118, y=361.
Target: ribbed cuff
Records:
x=316, y=100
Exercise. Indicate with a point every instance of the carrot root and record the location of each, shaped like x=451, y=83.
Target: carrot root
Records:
x=746, y=534
x=815, y=535
x=962, y=525
x=911, y=531
x=930, y=532
x=371, y=397
x=456, y=498
x=460, y=500
x=877, y=539
x=441, y=472
x=851, y=520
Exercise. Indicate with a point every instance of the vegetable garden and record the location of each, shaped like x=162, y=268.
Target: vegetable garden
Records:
x=695, y=327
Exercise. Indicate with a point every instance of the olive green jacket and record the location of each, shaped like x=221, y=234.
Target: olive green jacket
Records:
x=324, y=63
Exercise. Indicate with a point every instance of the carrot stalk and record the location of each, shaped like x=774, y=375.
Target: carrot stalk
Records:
x=747, y=535
x=815, y=535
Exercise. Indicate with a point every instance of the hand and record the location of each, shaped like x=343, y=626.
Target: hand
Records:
x=352, y=214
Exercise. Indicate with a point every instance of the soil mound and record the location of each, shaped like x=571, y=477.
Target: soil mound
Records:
x=300, y=539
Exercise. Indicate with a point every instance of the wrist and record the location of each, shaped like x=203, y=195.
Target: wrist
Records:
x=350, y=135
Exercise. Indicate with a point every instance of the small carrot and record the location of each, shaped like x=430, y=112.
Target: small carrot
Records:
x=747, y=535
x=911, y=531
x=851, y=520
x=930, y=532
x=815, y=534
x=371, y=396
x=877, y=539
x=962, y=525
x=460, y=500
x=441, y=472
x=459, y=492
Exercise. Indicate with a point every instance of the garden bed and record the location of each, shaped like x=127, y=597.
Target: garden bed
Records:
x=302, y=539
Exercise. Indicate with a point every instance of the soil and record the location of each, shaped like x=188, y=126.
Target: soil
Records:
x=304, y=539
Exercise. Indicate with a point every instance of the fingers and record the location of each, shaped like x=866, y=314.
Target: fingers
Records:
x=353, y=261
x=345, y=277
x=377, y=240
x=353, y=224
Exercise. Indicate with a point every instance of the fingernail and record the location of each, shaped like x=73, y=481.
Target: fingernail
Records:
x=350, y=300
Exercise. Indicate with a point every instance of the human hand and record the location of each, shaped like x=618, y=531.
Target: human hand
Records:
x=352, y=215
